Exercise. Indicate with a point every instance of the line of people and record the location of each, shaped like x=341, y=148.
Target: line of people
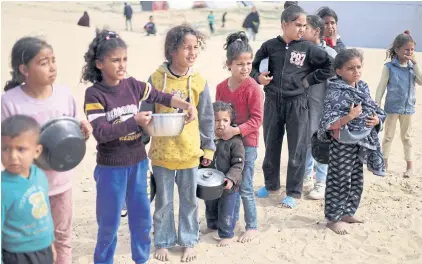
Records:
x=223, y=134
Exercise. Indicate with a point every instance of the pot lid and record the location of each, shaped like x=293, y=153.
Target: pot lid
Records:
x=210, y=177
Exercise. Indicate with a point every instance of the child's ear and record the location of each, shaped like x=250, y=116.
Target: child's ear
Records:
x=283, y=25
x=99, y=64
x=38, y=151
x=23, y=69
x=338, y=72
x=318, y=32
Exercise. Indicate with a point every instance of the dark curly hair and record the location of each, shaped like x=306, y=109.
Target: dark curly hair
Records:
x=225, y=107
x=398, y=42
x=346, y=55
x=237, y=43
x=176, y=36
x=101, y=45
x=24, y=50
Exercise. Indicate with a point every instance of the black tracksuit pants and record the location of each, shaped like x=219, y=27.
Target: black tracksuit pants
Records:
x=280, y=115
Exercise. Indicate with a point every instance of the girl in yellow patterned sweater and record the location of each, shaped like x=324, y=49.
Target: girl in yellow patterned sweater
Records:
x=176, y=159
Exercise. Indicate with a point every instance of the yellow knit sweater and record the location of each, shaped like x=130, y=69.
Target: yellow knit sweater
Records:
x=197, y=137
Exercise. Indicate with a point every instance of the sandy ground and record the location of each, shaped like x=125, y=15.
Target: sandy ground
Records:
x=391, y=205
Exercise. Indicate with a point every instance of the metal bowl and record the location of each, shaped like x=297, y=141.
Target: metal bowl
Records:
x=166, y=125
x=63, y=144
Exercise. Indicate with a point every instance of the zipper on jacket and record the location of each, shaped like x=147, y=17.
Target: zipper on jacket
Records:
x=282, y=72
x=408, y=94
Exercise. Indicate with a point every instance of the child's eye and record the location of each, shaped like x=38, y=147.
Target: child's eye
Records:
x=21, y=149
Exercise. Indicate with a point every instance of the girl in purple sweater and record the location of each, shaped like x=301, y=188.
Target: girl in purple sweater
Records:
x=112, y=107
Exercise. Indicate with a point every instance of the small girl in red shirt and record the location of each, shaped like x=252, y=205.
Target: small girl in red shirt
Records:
x=247, y=98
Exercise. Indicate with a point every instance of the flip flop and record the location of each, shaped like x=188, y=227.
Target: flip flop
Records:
x=262, y=192
x=289, y=202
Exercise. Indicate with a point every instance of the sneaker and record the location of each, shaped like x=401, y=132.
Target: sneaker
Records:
x=308, y=183
x=318, y=192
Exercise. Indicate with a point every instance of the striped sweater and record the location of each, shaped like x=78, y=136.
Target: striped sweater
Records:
x=111, y=110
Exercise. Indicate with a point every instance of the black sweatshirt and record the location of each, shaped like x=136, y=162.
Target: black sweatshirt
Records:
x=290, y=63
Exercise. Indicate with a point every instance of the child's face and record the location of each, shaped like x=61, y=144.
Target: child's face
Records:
x=222, y=121
x=41, y=70
x=351, y=71
x=311, y=34
x=18, y=153
x=330, y=26
x=405, y=52
x=185, y=55
x=241, y=67
x=294, y=30
x=113, y=66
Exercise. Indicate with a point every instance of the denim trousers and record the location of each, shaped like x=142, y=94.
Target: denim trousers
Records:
x=220, y=214
x=246, y=190
x=164, y=225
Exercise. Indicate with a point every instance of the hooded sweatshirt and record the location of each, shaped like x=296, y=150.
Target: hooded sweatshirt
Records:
x=291, y=65
x=197, y=137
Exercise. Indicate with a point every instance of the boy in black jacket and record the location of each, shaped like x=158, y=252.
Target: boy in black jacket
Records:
x=229, y=158
x=294, y=65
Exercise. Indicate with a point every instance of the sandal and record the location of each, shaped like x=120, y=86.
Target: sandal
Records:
x=288, y=202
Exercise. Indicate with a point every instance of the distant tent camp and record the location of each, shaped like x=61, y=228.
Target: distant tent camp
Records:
x=154, y=5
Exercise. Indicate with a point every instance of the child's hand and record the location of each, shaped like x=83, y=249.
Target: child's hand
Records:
x=229, y=132
x=372, y=121
x=355, y=111
x=264, y=79
x=412, y=58
x=143, y=118
x=206, y=162
x=191, y=114
x=86, y=128
x=228, y=184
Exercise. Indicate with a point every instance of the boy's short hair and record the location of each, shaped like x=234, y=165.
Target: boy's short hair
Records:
x=16, y=125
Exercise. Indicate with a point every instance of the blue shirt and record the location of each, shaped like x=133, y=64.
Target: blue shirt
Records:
x=26, y=222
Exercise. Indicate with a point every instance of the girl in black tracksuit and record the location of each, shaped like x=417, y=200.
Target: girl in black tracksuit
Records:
x=294, y=65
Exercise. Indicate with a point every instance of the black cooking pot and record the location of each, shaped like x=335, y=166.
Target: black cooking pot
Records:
x=320, y=150
x=151, y=187
x=63, y=144
x=210, y=184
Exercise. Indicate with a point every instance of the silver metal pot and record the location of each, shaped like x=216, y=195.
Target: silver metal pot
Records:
x=63, y=144
x=166, y=125
x=210, y=184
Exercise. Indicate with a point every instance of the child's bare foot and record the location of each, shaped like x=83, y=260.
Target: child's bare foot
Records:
x=351, y=220
x=189, y=255
x=224, y=242
x=248, y=236
x=337, y=227
x=207, y=231
x=409, y=169
x=162, y=254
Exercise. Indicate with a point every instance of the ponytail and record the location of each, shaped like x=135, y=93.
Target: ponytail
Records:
x=24, y=50
x=398, y=42
x=236, y=43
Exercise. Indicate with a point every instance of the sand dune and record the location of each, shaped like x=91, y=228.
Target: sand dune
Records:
x=391, y=205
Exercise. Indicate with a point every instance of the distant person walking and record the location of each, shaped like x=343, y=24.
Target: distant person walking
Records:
x=127, y=12
x=211, y=21
x=223, y=19
x=84, y=20
x=251, y=24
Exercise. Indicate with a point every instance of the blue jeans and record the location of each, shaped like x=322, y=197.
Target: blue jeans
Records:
x=220, y=214
x=114, y=185
x=164, y=225
x=246, y=190
x=321, y=169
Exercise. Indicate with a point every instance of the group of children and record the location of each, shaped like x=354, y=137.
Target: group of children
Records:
x=37, y=215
